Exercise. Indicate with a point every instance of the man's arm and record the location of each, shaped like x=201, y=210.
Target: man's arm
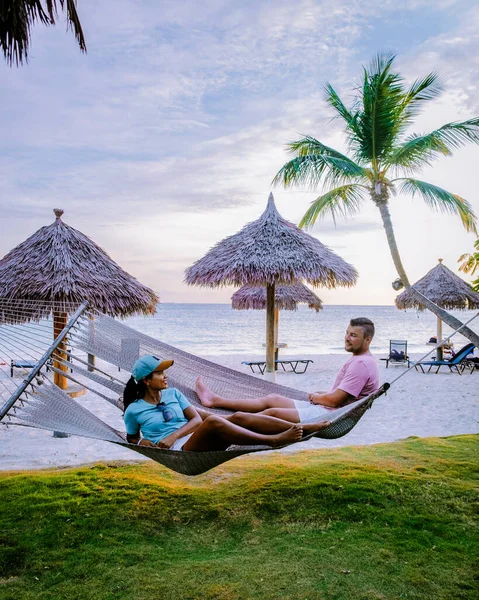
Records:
x=330, y=399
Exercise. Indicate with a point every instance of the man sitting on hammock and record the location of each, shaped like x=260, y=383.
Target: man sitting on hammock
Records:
x=358, y=378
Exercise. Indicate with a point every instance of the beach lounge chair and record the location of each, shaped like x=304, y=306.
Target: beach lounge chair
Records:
x=458, y=361
x=298, y=365
x=471, y=363
x=21, y=364
x=29, y=364
x=397, y=353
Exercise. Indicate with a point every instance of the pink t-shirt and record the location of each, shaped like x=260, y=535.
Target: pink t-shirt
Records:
x=359, y=376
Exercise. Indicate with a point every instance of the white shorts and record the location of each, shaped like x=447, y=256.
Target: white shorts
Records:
x=311, y=412
x=180, y=442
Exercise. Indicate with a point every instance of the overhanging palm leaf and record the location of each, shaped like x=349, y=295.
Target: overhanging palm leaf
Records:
x=17, y=18
x=344, y=200
x=440, y=199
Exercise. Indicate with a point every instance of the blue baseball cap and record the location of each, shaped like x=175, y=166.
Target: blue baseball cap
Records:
x=147, y=364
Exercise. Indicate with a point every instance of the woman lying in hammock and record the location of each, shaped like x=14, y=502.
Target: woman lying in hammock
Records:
x=156, y=415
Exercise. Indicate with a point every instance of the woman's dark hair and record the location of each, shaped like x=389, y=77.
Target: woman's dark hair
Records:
x=133, y=390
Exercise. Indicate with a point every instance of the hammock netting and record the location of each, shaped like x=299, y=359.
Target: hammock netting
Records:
x=96, y=353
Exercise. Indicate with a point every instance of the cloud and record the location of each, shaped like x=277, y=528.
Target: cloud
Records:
x=180, y=112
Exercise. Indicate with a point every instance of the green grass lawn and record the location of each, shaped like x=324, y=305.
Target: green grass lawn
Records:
x=359, y=523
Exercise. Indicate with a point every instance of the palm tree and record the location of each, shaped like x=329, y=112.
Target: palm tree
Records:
x=470, y=264
x=382, y=159
x=17, y=18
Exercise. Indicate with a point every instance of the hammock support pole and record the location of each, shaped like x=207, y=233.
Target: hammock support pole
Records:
x=34, y=372
x=59, y=355
x=91, y=357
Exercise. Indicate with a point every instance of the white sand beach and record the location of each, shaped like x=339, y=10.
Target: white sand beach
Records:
x=418, y=404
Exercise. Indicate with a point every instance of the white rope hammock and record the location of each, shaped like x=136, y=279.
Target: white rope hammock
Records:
x=27, y=338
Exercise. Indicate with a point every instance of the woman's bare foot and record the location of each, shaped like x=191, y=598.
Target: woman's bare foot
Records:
x=204, y=394
x=293, y=434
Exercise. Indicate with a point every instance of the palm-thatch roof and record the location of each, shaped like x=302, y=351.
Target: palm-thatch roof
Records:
x=62, y=265
x=444, y=288
x=287, y=297
x=270, y=250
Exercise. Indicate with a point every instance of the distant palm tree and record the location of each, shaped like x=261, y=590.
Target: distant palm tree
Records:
x=17, y=18
x=380, y=151
x=470, y=264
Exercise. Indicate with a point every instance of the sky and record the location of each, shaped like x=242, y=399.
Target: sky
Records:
x=164, y=138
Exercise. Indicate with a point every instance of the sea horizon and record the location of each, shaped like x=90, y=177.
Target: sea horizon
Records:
x=216, y=328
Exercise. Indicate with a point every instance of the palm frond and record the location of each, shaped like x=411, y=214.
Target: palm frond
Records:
x=350, y=116
x=440, y=199
x=421, y=91
x=470, y=262
x=341, y=201
x=310, y=145
x=17, y=18
x=378, y=121
x=333, y=99
x=458, y=133
x=309, y=170
x=418, y=151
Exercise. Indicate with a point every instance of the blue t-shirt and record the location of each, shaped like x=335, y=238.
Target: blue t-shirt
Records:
x=147, y=418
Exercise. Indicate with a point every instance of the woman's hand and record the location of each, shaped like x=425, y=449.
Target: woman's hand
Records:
x=166, y=442
x=144, y=442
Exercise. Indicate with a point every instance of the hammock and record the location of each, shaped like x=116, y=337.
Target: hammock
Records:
x=26, y=332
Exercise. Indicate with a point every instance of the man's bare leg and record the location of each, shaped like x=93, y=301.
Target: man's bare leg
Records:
x=217, y=433
x=211, y=400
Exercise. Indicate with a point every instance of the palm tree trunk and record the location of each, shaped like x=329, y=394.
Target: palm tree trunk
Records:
x=434, y=308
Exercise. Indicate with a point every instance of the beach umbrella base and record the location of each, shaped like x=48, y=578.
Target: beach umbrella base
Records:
x=75, y=390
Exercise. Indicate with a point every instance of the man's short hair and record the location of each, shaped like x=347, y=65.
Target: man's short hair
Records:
x=366, y=324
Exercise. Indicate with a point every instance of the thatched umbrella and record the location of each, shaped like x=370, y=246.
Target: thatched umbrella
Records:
x=268, y=252
x=445, y=289
x=60, y=264
x=287, y=297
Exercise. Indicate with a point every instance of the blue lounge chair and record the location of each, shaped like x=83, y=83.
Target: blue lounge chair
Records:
x=21, y=364
x=458, y=361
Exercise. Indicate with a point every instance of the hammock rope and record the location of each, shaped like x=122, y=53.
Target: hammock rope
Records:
x=38, y=402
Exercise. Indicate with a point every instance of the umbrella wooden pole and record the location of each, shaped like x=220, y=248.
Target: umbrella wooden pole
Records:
x=440, y=351
x=276, y=327
x=59, y=356
x=270, y=292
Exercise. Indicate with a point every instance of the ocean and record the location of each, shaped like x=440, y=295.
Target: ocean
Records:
x=216, y=329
